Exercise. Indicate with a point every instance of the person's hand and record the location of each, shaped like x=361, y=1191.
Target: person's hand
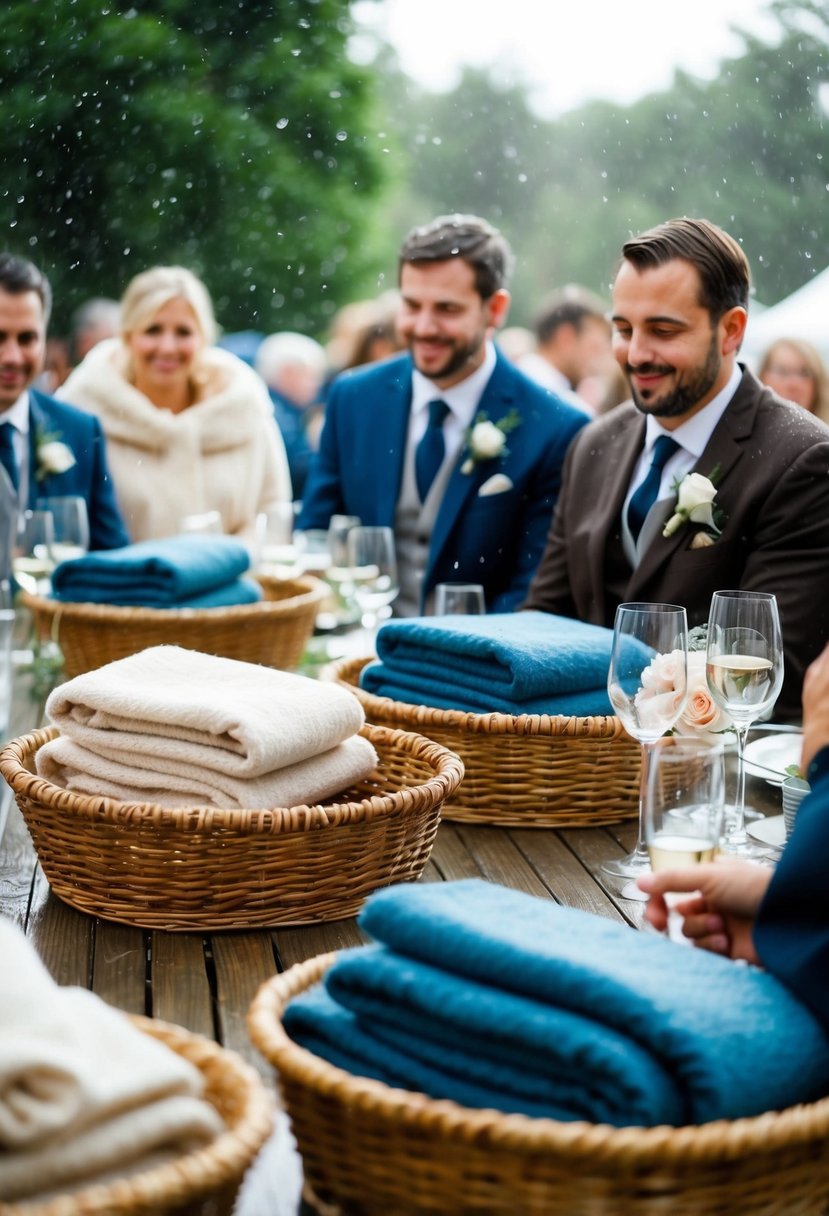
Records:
x=815, y=709
x=724, y=897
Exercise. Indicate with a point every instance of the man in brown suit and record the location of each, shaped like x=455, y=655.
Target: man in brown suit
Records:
x=679, y=313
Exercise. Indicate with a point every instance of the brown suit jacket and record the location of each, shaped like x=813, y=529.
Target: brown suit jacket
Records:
x=774, y=491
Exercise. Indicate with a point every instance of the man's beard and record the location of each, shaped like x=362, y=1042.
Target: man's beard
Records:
x=686, y=394
x=459, y=358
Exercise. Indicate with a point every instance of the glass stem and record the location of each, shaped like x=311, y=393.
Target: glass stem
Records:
x=640, y=852
x=738, y=833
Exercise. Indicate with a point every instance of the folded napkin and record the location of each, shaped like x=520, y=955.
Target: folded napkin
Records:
x=179, y=572
x=171, y=783
x=81, y=1090
x=517, y=662
x=170, y=706
x=591, y=1019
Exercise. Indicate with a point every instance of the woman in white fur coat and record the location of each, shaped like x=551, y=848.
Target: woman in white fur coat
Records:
x=189, y=427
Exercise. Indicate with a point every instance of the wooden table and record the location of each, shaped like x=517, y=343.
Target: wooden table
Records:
x=206, y=982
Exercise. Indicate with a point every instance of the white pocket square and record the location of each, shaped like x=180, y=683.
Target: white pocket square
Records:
x=496, y=484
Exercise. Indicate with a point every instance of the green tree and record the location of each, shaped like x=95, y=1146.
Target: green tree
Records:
x=237, y=139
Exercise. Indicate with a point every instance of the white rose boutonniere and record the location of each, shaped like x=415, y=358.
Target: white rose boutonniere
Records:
x=487, y=440
x=53, y=456
x=695, y=503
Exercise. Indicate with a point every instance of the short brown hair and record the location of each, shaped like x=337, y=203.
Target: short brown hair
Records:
x=723, y=267
x=462, y=236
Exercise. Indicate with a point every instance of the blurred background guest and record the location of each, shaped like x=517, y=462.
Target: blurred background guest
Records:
x=572, y=337
x=94, y=320
x=363, y=332
x=189, y=428
x=795, y=370
x=293, y=367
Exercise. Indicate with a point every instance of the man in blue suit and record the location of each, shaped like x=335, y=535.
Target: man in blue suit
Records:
x=780, y=918
x=47, y=449
x=449, y=444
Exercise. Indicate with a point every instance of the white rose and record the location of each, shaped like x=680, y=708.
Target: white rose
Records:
x=694, y=501
x=487, y=440
x=55, y=457
x=665, y=673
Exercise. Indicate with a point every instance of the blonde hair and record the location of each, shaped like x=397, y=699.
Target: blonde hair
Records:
x=814, y=365
x=152, y=289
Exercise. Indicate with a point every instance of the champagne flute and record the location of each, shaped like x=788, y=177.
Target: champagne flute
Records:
x=647, y=684
x=373, y=561
x=70, y=523
x=684, y=806
x=744, y=670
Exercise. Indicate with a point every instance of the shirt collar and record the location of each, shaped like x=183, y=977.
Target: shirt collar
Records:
x=18, y=414
x=694, y=434
x=463, y=397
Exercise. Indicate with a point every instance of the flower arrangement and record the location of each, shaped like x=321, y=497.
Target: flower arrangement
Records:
x=487, y=440
x=661, y=685
x=695, y=504
x=53, y=456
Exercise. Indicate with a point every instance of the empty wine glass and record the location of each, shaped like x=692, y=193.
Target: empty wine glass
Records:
x=684, y=805
x=373, y=561
x=459, y=599
x=744, y=670
x=276, y=551
x=70, y=524
x=647, y=685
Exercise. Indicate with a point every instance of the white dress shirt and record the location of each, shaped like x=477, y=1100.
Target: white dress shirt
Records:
x=462, y=398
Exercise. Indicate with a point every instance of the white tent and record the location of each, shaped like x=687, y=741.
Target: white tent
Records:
x=804, y=314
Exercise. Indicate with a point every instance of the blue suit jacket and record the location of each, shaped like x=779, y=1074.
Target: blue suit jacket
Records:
x=496, y=540
x=88, y=477
x=791, y=935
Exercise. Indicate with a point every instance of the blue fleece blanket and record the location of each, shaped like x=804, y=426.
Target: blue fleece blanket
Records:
x=495, y=998
x=517, y=662
x=179, y=572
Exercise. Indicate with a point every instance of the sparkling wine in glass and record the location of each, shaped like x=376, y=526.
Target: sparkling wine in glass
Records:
x=647, y=685
x=744, y=670
x=373, y=561
x=684, y=805
x=70, y=521
x=32, y=557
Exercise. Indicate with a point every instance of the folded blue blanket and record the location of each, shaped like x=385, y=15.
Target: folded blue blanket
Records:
x=177, y=572
x=517, y=662
x=590, y=1018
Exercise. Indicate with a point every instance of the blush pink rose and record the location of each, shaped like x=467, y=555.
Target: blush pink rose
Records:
x=701, y=712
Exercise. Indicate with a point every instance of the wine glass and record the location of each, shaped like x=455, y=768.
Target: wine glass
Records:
x=275, y=549
x=373, y=561
x=744, y=670
x=339, y=575
x=33, y=557
x=70, y=524
x=684, y=805
x=647, y=684
x=459, y=598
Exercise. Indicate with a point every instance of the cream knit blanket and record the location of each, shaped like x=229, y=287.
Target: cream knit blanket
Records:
x=82, y=1092
x=174, y=705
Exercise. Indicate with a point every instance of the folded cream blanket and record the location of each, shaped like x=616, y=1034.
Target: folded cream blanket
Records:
x=203, y=711
x=173, y=783
x=82, y=1091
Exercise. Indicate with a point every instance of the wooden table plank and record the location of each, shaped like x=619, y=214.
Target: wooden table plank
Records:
x=119, y=966
x=242, y=962
x=563, y=873
x=296, y=945
x=64, y=940
x=500, y=861
x=181, y=990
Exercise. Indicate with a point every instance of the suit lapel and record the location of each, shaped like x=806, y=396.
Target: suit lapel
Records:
x=38, y=426
x=387, y=440
x=619, y=462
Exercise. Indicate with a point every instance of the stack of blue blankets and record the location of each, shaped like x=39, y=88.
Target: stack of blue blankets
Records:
x=497, y=999
x=511, y=663
x=179, y=572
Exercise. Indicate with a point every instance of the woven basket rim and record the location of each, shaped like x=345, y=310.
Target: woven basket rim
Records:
x=347, y=672
x=633, y=1147
x=309, y=591
x=193, y=1176
x=446, y=776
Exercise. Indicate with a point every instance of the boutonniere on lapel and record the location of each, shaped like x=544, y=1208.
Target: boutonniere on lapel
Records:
x=487, y=440
x=52, y=455
x=695, y=503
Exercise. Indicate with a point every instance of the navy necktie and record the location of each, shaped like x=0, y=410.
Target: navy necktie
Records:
x=431, y=450
x=647, y=493
x=7, y=456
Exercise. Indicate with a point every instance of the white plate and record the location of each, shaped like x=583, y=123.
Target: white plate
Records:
x=769, y=756
x=768, y=831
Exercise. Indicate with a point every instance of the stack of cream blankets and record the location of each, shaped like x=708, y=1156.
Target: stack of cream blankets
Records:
x=84, y=1095
x=180, y=728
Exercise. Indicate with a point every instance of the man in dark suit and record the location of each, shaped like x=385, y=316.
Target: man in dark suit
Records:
x=449, y=444
x=778, y=918
x=47, y=449
x=679, y=314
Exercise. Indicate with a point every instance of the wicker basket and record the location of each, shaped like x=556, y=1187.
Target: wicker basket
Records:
x=273, y=632
x=160, y=868
x=532, y=771
x=202, y=1183
x=373, y=1150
